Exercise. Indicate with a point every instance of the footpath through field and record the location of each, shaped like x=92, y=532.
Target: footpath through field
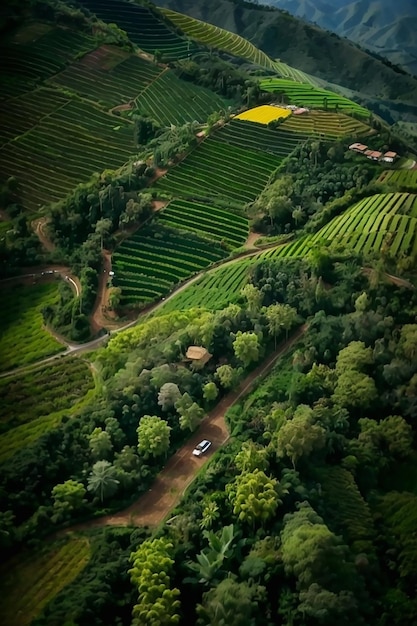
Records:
x=151, y=508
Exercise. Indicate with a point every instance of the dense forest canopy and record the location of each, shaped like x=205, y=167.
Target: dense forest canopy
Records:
x=200, y=241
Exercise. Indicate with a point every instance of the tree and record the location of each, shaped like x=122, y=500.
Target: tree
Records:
x=408, y=341
x=229, y=604
x=251, y=456
x=355, y=390
x=226, y=375
x=210, y=560
x=246, y=347
x=103, y=227
x=157, y=604
x=102, y=480
x=68, y=497
x=210, y=391
x=253, y=297
x=153, y=436
x=391, y=437
x=299, y=436
x=100, y=444
x=191, y=417
x=356, y=356
x=168, y=394
x=328, y=607
x=280, y=317
x=210, y=514
x=254, y=496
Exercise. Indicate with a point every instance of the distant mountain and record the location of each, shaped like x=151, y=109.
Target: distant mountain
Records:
x=382, y=26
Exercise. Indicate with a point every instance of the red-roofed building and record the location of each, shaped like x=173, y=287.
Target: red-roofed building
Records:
x=389, y=157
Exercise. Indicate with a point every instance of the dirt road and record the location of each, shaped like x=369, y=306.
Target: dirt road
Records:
x=151, y=508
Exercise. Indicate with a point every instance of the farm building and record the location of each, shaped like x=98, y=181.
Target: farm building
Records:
x=389, y=157
x=375, y=155
x=358, y=147
x=198, y=355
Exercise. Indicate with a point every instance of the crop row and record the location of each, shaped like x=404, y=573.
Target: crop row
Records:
x=333, y=125
x=33, y=579
x=65, y=148
x=171, y=100
x=217, y=37
x=42, y=391
x=218, y=170
x=303, y=94
x=114, y=86
x=206, y=220
x=22, y=336
x=406, y=178
x=214, y=290
x=27, y=111
x=375, y=222
x=259, y=137
x=148, y=264
x=143, y=27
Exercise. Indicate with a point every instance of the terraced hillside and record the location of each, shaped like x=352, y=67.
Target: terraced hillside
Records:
x=308, y=95
x=218, y=170
x=149, y=264
x=402, y=178
x=143, y=26
x=258, y=137
x=206, y=220
x=325, y=124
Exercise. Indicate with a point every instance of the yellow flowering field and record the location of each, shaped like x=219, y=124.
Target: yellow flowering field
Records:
x=263, y=114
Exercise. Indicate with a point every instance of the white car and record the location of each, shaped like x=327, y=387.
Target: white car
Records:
x=202, y=447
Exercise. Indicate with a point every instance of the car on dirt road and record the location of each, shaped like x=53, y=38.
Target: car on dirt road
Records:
x=202, y=447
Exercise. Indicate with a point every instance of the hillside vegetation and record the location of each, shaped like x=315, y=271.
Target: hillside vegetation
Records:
x=219, y=261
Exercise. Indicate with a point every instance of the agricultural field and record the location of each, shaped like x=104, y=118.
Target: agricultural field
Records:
x=32, y=579
x=206, y=220
x=380, y=221
x=263, y=114
x=258, y=137
x=221, y=39
x=303, y=94
x=326, y=124
x=43, y=390
x=22, y=337
x=143, y=26
x=216, y=169
x=401, y=178
x=108, y=75
x=214, y=290
x=37, y=52
x=63, y=149
x=171, y=100
x=149, y=264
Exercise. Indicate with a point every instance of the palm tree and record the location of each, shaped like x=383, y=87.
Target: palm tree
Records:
x=102, y=480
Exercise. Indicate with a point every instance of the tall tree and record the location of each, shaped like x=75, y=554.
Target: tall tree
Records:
x=229, y=604
x=153, y=436
x=254, y=496
x=253, y=297
x=246, y=347
x=299, y=436
x=68, y=497
x=100, y=444
x=102, y=480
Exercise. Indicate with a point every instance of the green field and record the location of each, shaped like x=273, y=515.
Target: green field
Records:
x=402, y=178
x=149, y=264
x=143, y=26
x=30, y=580
x=216, y=169
x=63, y=149
x=22, y=337
x=216, y=37
x=206, y=220
x=42, y=391
x=170, y=100
x=254, y=136
x=214, y=290
x=37, y=52
x=383, y=220
x=327, y=125
x=303, y=94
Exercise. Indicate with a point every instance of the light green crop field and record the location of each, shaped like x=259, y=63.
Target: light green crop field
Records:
x=327, y=125
x=23, y=339
x=401, y=178
x=31, y=579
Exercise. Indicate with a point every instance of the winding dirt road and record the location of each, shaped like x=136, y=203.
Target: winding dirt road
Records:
x=151, y=508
